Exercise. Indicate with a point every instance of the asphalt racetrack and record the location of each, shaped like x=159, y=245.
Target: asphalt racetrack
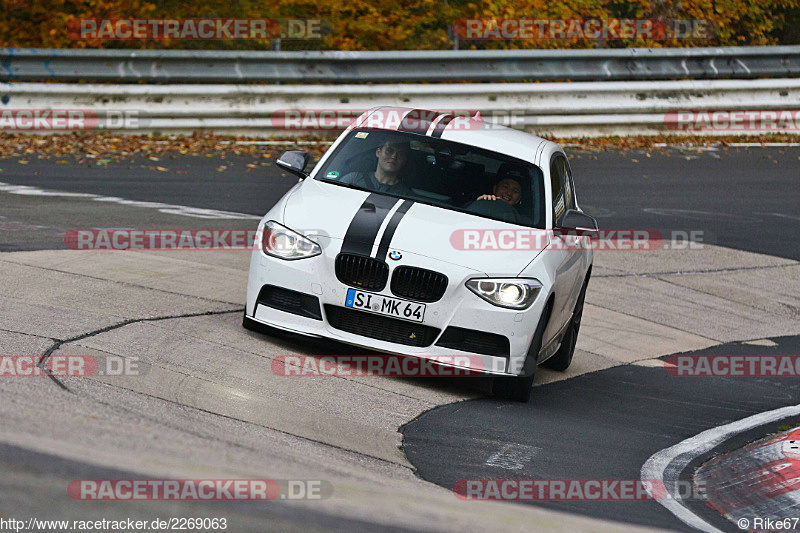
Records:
x=209, y=407
x=740, y=198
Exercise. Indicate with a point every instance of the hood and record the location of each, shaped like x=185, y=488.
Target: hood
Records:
x=481, y=244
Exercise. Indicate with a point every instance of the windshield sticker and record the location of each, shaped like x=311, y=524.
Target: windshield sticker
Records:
x=362, y=134
x=332, y=175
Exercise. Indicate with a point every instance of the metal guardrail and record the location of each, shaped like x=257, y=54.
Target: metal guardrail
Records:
x=558, y=109
x=182, y=66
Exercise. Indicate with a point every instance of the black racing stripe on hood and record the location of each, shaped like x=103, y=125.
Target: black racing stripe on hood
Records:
x=441, y=125
x=366, y=223
x=386, y=239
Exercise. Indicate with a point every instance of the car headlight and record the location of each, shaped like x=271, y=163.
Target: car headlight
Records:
x=511, y=293
x=280, y=241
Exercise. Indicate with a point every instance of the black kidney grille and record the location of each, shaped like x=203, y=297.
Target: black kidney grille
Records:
x=380, y=327
x=418, y=284
x=362, y=272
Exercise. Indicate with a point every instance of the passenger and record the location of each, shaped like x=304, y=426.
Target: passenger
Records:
x=392, y=156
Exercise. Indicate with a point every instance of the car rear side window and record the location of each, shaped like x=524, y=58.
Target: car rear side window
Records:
x=569, y=190
x=557, y=174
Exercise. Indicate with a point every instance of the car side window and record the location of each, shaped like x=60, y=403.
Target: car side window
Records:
x=557, y=173
x=569, y=190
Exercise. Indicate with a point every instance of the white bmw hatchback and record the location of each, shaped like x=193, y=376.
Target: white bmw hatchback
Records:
x=429, y=235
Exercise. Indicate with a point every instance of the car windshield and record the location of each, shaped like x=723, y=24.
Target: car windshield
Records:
x=437, y=172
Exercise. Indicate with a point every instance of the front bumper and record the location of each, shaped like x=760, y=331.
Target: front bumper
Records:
x=459, y=308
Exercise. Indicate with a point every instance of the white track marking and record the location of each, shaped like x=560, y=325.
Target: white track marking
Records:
x=170, y=209
x=512, y=456
x=760, y=342
x=781, y=215
x=668, y=464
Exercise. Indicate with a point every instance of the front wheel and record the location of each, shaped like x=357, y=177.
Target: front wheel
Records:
x=563, y=357
x=517, y=388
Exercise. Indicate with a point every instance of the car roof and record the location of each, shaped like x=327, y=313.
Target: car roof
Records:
x=473, y=130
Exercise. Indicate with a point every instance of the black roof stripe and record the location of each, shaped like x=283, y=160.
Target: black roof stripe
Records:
x=441, y=125
x=418, y=121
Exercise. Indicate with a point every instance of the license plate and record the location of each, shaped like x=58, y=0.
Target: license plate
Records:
x=383, y=305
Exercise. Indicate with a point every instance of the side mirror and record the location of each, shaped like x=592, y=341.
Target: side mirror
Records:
x=295, y=161
x=579, y=223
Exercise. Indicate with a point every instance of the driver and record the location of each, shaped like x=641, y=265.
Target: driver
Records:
x=505, y=200
x=392, y=156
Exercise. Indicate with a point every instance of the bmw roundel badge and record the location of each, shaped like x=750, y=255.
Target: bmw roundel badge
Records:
x=395, y=255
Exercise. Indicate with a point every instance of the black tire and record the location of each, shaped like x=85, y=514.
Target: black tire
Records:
x=563, y=357
x=517, y=388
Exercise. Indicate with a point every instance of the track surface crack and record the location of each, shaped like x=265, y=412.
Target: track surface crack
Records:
x=60, y=342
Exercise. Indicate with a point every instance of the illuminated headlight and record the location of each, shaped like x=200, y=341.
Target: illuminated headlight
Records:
x=511, y=293
x=280, y=241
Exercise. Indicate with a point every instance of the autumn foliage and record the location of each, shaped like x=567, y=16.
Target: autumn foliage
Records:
x=399, y=25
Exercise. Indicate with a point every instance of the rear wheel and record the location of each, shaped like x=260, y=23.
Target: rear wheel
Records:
x=563, y=357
